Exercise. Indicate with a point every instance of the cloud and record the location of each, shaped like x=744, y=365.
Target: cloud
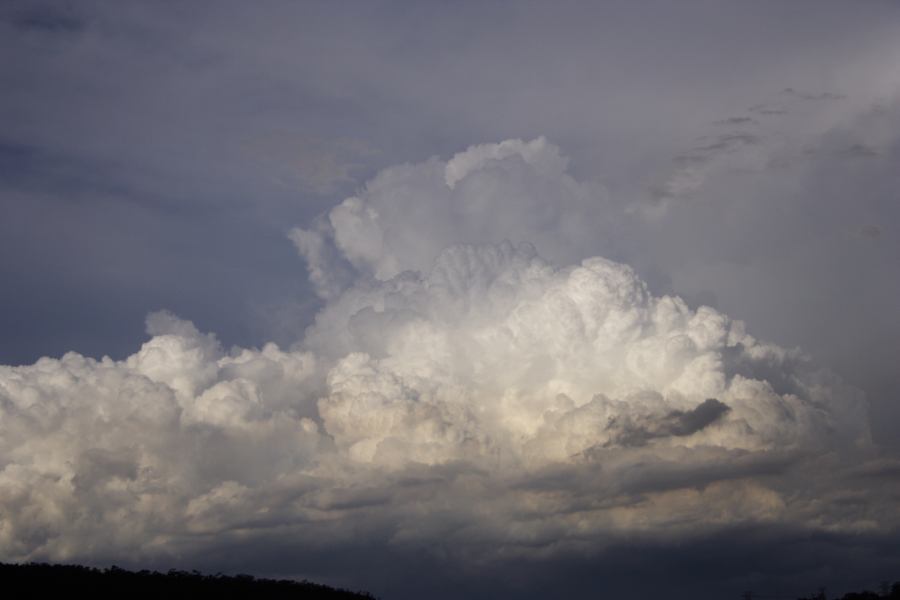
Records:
x=475, y=402
x=709, y=232
x=45, y=18
x=811, y=96
x=495, y=345
x=738, y=150
x=404, y=217
x=766, y=110
x=249, y=122
x=870, y=231
x=308, y=163
x=737, y=121
x=677, y=423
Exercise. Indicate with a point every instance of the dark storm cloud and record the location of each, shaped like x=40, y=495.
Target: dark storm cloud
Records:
x=727, y=141
x=44, y=17
x=692, y=421
x=858, y=151
x=764, y=109
x=737, y=121
x=812, y=96
x=870, y=231
x=764, y=560
x=675, y=424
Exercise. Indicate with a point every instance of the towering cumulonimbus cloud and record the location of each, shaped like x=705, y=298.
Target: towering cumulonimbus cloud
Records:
x=495, y=352
x=408, y=214
x=470, y=378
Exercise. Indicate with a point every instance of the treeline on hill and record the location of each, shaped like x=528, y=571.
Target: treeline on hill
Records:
x=36, y=580
x=888, y=592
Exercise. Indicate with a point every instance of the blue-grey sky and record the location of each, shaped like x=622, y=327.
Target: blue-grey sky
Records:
x=290, y=172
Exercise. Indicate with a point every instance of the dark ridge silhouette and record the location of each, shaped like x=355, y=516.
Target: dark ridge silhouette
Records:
x=888, y=592
x=39, y=580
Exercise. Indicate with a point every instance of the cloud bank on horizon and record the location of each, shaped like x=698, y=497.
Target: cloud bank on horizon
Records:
x=475, y=386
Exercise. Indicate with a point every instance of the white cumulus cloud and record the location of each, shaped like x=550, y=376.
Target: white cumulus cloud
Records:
x=471, y=378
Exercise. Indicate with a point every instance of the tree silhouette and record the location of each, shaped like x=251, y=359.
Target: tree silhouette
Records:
x=38, y=580
x=888, y=592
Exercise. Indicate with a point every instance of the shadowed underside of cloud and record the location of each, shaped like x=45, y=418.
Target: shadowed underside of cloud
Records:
x=476, y=400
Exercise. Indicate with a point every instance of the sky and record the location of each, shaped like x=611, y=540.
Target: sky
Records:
x=474, y=299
